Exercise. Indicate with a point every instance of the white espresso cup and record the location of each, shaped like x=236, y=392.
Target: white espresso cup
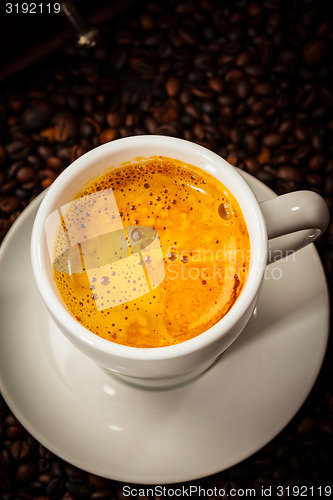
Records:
x=276, y=227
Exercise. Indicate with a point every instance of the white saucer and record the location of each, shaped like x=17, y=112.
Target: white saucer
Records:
x=106, y=427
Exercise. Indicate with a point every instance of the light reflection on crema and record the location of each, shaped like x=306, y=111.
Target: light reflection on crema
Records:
x=197, y=189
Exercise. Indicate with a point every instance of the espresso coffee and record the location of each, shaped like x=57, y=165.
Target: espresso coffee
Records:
x=151, y=253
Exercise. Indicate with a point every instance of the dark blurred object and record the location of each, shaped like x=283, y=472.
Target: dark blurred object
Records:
x=28, y=38
x=252, y=81
x=86, y=33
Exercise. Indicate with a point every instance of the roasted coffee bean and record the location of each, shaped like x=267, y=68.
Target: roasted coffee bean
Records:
x=302, y=152
x=16, y=102
x=78, y=489
x=35, y=160
x=56, y=488
x=114, y=119
x=147, y=21
x=264, y=89
x=266, y=52
x=5, y=480
x=24, y=193
x=251, y=143
x=25, y=174
x=100, y=116
x=48, y=179
x=2, y=154
x=25, y=472
x=255, y=121
x=261, y=484
x=286, y=127
x=14, y=168
x=118, y=58
x=242, y=88
x=227, y=115
x=89, y=128
x=142, y=64
x=300, y=134
x=314, y=179
x=8, y=187
x=45, y=150
x=47, y=134
x=272, y=140
x=170, y=129
x=74, y=473
x=18, y=150
x=36, y=117
x=266, y=177
x=9, y=205
x=201, y=91
x=38, y=490
x=153, y=39
x=4, y=226
x=58, y=469
x=75, y=152
x=65, y=126
x=6, y=459
x=326, y=425
x=313, y=52
x=83, y=89
x=249, y=80
x=124, y=36
x=20, y=450
x=208, y=107
x=45, y=477
x=73, y=101
x=109, y=134
x=58, y=99
x=99, y=482
x=255, y=70
x=172, y=86
x=55, y=163
x=252, y=165
x=306, y=426
x=16, y=432
x=329, y=186
x=289, y=173
x=44, y=452
x=216, y=84
x=102, y=494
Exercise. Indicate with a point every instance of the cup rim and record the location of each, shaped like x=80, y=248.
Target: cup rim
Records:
x=84, y=336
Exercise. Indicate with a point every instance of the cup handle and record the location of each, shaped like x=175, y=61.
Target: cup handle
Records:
x=293, y=221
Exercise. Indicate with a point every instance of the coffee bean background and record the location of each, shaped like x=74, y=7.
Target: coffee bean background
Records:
x=251, y=80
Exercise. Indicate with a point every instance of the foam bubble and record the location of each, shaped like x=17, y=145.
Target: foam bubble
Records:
x=225, y=212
